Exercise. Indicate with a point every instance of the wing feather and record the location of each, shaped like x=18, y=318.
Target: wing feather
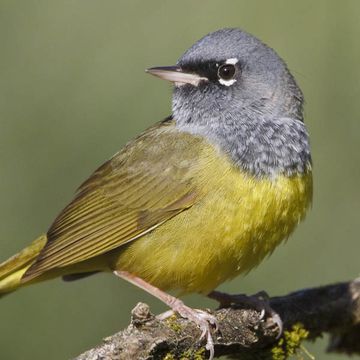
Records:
x=141, y=187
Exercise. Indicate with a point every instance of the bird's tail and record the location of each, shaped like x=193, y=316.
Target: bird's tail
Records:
x=12, y=270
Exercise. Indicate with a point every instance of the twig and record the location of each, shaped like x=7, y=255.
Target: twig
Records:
x=334, y=309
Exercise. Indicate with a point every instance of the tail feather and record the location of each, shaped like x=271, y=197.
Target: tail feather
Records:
x=12, y=270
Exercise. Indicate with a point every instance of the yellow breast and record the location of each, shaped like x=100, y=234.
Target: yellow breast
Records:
x=239, y=220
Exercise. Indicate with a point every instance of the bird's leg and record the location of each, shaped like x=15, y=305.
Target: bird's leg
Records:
x=259, y=301
x=201, y=318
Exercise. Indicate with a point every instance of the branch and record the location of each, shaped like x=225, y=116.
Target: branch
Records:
x=333, y=309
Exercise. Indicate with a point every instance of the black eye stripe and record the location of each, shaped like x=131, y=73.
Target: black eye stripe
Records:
x=208, y=69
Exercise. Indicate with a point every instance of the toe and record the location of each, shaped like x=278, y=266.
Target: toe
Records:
x=203, y=320
x=210, y=346
x=165, y=315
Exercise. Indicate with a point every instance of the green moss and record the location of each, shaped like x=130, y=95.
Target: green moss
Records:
x=169, y=356
x=187, y=355
x=290, y=343
x=200, y=354
x=193, y=355
x=190, y=354
x=172, y=322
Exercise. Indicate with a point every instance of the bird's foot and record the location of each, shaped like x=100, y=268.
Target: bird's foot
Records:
x=201, y=318
x=259, y=301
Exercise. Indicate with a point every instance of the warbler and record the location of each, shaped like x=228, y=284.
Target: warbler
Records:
x=199, y=197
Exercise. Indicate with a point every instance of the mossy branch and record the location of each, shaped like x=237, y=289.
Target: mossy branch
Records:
x=308, y=313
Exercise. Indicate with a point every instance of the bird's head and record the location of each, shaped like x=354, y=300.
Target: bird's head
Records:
x=230, y=73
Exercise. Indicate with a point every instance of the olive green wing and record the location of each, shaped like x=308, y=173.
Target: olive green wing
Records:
x=147, y=183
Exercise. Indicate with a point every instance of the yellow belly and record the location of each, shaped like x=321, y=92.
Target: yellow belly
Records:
x=237, y=223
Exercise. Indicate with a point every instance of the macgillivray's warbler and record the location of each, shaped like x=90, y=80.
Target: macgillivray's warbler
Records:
x=199, y=197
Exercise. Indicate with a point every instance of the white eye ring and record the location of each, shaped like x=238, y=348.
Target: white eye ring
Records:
x=232, y=61
x=222, y=78
x=227, y=82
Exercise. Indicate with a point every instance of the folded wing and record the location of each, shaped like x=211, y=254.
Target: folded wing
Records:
x=147, y=183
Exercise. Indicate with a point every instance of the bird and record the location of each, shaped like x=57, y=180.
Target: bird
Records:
x=198, y=198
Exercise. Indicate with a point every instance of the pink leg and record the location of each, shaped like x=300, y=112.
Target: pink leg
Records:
x=201, y=318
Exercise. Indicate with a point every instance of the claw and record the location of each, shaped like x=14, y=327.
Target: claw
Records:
x=262, y=314
x=259, y=301
x=202, y=319
x=277, y=320
x=210, y=346
x=208, y=317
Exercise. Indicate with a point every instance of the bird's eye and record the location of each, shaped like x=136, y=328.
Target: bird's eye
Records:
x=226, y=71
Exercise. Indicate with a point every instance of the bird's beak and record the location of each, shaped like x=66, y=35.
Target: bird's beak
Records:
x=176, y=75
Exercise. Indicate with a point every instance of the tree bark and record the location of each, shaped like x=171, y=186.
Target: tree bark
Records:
x=242, y=333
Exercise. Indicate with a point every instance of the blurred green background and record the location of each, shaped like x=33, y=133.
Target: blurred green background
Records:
x=73, y=91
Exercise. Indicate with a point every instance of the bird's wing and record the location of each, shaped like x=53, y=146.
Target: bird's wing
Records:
x=141, y=187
